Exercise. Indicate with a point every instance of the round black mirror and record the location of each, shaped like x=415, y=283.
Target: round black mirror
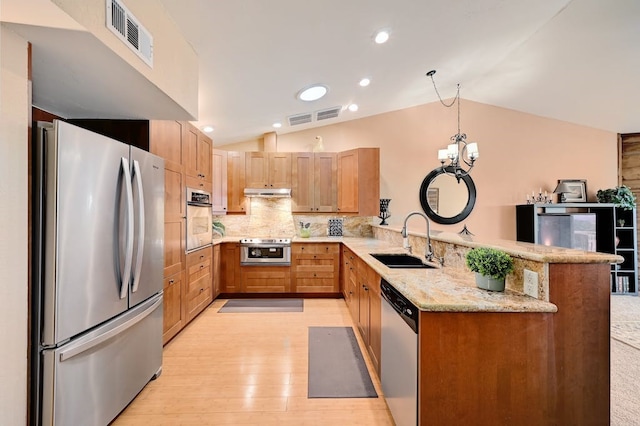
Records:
x=446, y=199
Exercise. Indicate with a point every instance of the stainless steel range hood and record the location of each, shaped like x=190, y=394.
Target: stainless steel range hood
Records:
x=267, y=192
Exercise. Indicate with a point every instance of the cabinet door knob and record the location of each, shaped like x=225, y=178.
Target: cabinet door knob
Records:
x=171, y=281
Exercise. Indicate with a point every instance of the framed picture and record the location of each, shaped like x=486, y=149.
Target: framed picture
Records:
x=578, y=189
x=433, y=198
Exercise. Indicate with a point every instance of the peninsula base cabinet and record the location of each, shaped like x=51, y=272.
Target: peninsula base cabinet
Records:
x=369, y=312
x=493, y=368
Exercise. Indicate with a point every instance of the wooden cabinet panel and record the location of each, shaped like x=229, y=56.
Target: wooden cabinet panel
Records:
x=268, y=170
x=174, y=247
x=165, y=140
x=219, y=182
x=199, y=183
x=204, y=156
x=173, y=315
x=197, y=153
x=313, y=182
x=359, y=181
x=315, y=268
x=265, y=279
x=198, y=294
x=326, y=182
x=236, y=201
x=216, y=271
x=349, y=281
x=230, y=268
x=174, y=195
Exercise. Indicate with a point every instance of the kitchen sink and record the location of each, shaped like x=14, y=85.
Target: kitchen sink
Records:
x=399, y=260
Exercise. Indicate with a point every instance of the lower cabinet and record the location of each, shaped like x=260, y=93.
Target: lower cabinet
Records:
x=315, y=267
x=198, y=294
x=369, y=312
x=216, y=271
x=173, y=316
x=265, y=279
x=230, y=268
x=349, y=281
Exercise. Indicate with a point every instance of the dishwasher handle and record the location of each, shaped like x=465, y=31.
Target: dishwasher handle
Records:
x=403, y=306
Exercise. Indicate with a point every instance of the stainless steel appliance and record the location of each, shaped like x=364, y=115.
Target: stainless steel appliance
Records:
x=399, y=357
x=265, y=251
x=98, y=258
x=199, y=230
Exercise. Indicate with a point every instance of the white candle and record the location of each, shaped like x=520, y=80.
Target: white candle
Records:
x=472, y=151
x=443, y=154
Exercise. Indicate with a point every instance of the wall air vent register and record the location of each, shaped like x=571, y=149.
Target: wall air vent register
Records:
x=128, y=29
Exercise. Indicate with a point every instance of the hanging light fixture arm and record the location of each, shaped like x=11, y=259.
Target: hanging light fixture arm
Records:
x=459, y=149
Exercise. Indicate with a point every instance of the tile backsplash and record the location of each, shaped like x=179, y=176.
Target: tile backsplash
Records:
x=272, y=218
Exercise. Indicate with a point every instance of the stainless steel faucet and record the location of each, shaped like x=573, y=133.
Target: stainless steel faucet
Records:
x=428, y=252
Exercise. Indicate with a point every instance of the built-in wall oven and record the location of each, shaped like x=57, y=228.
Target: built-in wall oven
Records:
x=199, y=231
x=265, y=251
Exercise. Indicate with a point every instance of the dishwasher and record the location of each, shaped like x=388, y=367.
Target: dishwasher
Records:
x=399, y=357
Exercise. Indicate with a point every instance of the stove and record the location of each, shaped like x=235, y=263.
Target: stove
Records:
x=265, y=251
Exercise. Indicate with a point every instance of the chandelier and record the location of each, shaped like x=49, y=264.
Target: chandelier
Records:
x=459, y=152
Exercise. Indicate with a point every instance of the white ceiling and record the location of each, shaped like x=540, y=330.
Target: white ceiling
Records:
x=574, y=60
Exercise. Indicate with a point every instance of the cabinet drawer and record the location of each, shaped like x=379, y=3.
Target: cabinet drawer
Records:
x=315, y=248
x=199, y=256
x=199, y=183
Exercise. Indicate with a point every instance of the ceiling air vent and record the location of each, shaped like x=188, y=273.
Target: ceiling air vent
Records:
x=294, y=120
x=328, y=113
x=126, y=26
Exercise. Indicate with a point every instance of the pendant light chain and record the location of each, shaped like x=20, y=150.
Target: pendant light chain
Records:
x=456, y=98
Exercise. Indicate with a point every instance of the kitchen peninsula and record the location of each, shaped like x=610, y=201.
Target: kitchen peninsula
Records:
x=501, y=358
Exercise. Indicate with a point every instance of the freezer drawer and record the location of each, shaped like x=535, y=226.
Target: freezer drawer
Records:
x=89, y=380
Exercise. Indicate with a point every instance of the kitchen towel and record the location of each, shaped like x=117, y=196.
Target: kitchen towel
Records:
x=263, y=305
x=336, y=366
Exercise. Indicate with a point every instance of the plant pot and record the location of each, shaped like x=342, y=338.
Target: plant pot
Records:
x=489, y=283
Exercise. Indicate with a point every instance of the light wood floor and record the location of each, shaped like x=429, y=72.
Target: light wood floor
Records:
x=249, y=368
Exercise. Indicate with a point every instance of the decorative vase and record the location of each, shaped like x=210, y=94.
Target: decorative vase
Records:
x=384, y=210
x=489, y=283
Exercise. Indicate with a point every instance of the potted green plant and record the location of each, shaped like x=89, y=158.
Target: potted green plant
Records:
x=621, y=196
x=491, y=267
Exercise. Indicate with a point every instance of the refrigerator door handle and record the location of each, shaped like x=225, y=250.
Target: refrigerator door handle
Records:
x=83, y=347
x=128, y=257
x=140, y=251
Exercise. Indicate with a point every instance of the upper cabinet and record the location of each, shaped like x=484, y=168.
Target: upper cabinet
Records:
x=268, y=170
x=359, y=181
x=219, y=188
x=236, y=201
x=314, y=182
x=197, y=158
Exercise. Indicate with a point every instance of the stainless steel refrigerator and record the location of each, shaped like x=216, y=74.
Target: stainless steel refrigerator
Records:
x=97, y=274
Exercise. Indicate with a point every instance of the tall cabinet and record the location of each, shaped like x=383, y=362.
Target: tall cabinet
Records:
x=571, y=225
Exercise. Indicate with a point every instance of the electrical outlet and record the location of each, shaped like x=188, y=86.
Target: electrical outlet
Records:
x=531, y=283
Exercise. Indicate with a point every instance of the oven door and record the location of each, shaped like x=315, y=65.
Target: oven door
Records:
x=265, y=254
x=199, y=232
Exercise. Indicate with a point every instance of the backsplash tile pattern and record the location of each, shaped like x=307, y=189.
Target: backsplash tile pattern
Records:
x=272, y=218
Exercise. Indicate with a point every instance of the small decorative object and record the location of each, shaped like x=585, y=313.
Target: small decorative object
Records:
x=621, y=196
x=572, y=190
x=305, y=232
x=540, y=198
x=621, y=223
x=384, y=210
x=218, y=228
x=335, y=227
x=491, y=267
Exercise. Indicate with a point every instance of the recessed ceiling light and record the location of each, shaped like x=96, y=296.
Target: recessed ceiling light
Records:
x=207, y=129
x=364, y=82
x=277, y=125
x=312, y=93
x=381, y=36
x=353, y=107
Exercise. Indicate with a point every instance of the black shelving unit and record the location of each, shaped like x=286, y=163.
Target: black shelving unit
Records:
x=616, y=232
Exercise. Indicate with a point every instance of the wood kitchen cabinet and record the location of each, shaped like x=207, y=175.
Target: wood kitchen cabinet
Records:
x=314, y=182
x=359, y=181
x=268, y=170
x=265, y=279
x=236, y=201
x=198, y=293
x=315, y=267
x=349, y=281
x=219, y=182
x=230, y=268
x=369, y=311
x=216, y=272
x=197, y=158
x=173, y=308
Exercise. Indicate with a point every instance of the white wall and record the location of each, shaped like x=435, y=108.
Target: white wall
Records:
x=14, y=119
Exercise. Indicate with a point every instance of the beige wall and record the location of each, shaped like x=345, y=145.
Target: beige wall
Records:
x=519, y=153
x=175, y=66
x=14, y=119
